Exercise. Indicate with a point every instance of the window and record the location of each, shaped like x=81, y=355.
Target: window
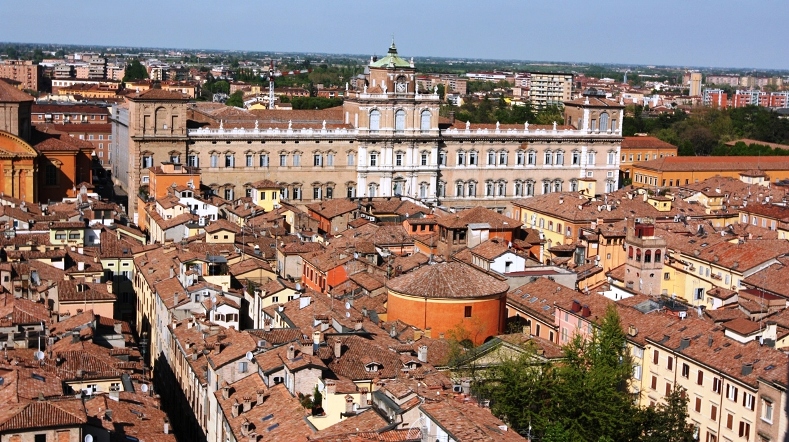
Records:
x=604, y=121
x=242, y=366
x=548, y=158
x=249, y=160
x=283, y=159
x=329, y=193
x=442, y=158
x=459, y=189
x=317, y=160
x=529, y=188
x=748, y=400
x=51, y=175
x=491, y=158
x=373, y=159
x=685, y=371
x=147, y=161
x=330, y=159
x=670, y=363
x=423, y=190
x=372, y=189
x=518, y=188
x=351, y=159
x=193, y=160
x=745, y=429
x=228, y=194
x=698, y=405
x=576, y=158
x=637, y=372
x=297, y=193
x=73, y=235
x=399, y=159
x=729, y=421
x=531, y=158
x=713, y=412
x=731, y=392
x=467, y=311
x=316, y=193
x=263, y=160
x=700, y=378
x=375, y=121
x=400, y=121
x=502, y=158
x=423, y=159
x=472, y=189
x=611, y=157
x=590, y=158
x=229, y=160
x=559, y=158
x=519, y=158
x=473, y=158
x=424, y=124
x=488, y=188
x=767, y=410
x=296, y=159
x=214, y=160
x=655, y=356
x=716, y=385
x=654, y=382
x=350, y=191
x=668, y=388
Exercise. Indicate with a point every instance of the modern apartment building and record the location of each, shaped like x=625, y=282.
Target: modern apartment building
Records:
x=550, y=89
x=23, y=71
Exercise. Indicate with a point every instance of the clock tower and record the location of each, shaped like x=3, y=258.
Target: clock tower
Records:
x=398, y=131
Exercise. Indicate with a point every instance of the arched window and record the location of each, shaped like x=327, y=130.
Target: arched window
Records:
x=559, y=158
x=489, y=188
x=648, y=256
x=657, y=255
x=548, y=158
x=638, y=255
x=573, y=185
x=472, y=188
x=520, y=158
x=604, y=122
x=423, y=187
x=557, y=186
x=501, y=189
x=459, y=189
x=518, y=188
x=630, y=252
x=372, y=190
x=531, y=158
x=400, y=121
x=375, y=120
x=546, y=187
x=529, y=188
x=441, y=189
x=397, y=187
x=424, y=124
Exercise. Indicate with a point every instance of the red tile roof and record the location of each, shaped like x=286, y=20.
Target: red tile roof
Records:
x=448, y=280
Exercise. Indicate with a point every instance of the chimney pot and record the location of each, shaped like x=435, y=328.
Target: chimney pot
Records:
x=337, y=348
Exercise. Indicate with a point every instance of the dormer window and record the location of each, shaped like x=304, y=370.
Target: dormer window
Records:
x=373, y=367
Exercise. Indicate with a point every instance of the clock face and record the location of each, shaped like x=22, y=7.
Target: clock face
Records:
x=401, y=87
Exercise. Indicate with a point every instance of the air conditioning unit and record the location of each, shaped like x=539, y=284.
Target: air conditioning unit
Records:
x=457, y=388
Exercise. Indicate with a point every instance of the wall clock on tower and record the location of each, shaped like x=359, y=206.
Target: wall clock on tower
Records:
x=400, y=85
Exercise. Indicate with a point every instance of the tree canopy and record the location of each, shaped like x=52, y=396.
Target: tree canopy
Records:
x=583, y=397
x=236, y=99
x=135, y=71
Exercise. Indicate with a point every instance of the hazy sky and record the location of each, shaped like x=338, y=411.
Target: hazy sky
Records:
x=723, y=33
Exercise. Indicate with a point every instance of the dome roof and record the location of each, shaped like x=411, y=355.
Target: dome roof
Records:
x=448, y=280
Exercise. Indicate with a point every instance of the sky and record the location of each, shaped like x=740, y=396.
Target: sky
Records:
x=704, y=33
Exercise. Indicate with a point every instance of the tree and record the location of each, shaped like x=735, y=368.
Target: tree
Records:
x=236, y=99
x=441, y=91
x=667, y=422
x=135, y=71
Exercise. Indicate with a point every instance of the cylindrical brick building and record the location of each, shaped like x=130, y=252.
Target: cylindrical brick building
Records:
x=450, y=295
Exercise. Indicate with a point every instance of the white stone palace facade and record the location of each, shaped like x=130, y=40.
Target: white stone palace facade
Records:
x=386, y=139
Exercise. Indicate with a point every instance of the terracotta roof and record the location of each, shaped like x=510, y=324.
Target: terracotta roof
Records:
x=645, y=143
x=10, y=94
x=34, y=415
x=468, y=422
x=714, y=163
x=158, y=94
x=478, y=215
x=331, y=208
x=594, y=102
x=742, y=326
x=58, y=145
x=448, y=280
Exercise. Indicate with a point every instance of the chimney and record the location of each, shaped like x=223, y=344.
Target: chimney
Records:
x=247, y=403
x=307, y=348
x=428, y=333
x=109, y=286
x=363, y=401
x=331, y=387
x=291, y=352
x=417, y=335
x=465, y=386
x=337, y=348
x=217, y=348
x=108, y=414
x=81, y=266
x=316, y=341
x=118, y=326
x=422, y=353
x=393, y=331
x=225, y=390
x=74, y=337
x=253, y=437
x=235, y=411
x=172, y=272
x=348, y=404
x=261, y=397
x=684, y=343
x=245, y=427
x=632, y=330
x=585, y=312
x=267, y=325
x=166, y=426
x=747, y=369
x=452, y=117
x=358, y=325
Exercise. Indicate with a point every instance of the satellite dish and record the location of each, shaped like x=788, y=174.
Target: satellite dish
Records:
x=347, y=305
x=298, y=287
x=88, y=438
x=249, y=356
x=144, y=388
x=347, y=314
x=39, y=355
